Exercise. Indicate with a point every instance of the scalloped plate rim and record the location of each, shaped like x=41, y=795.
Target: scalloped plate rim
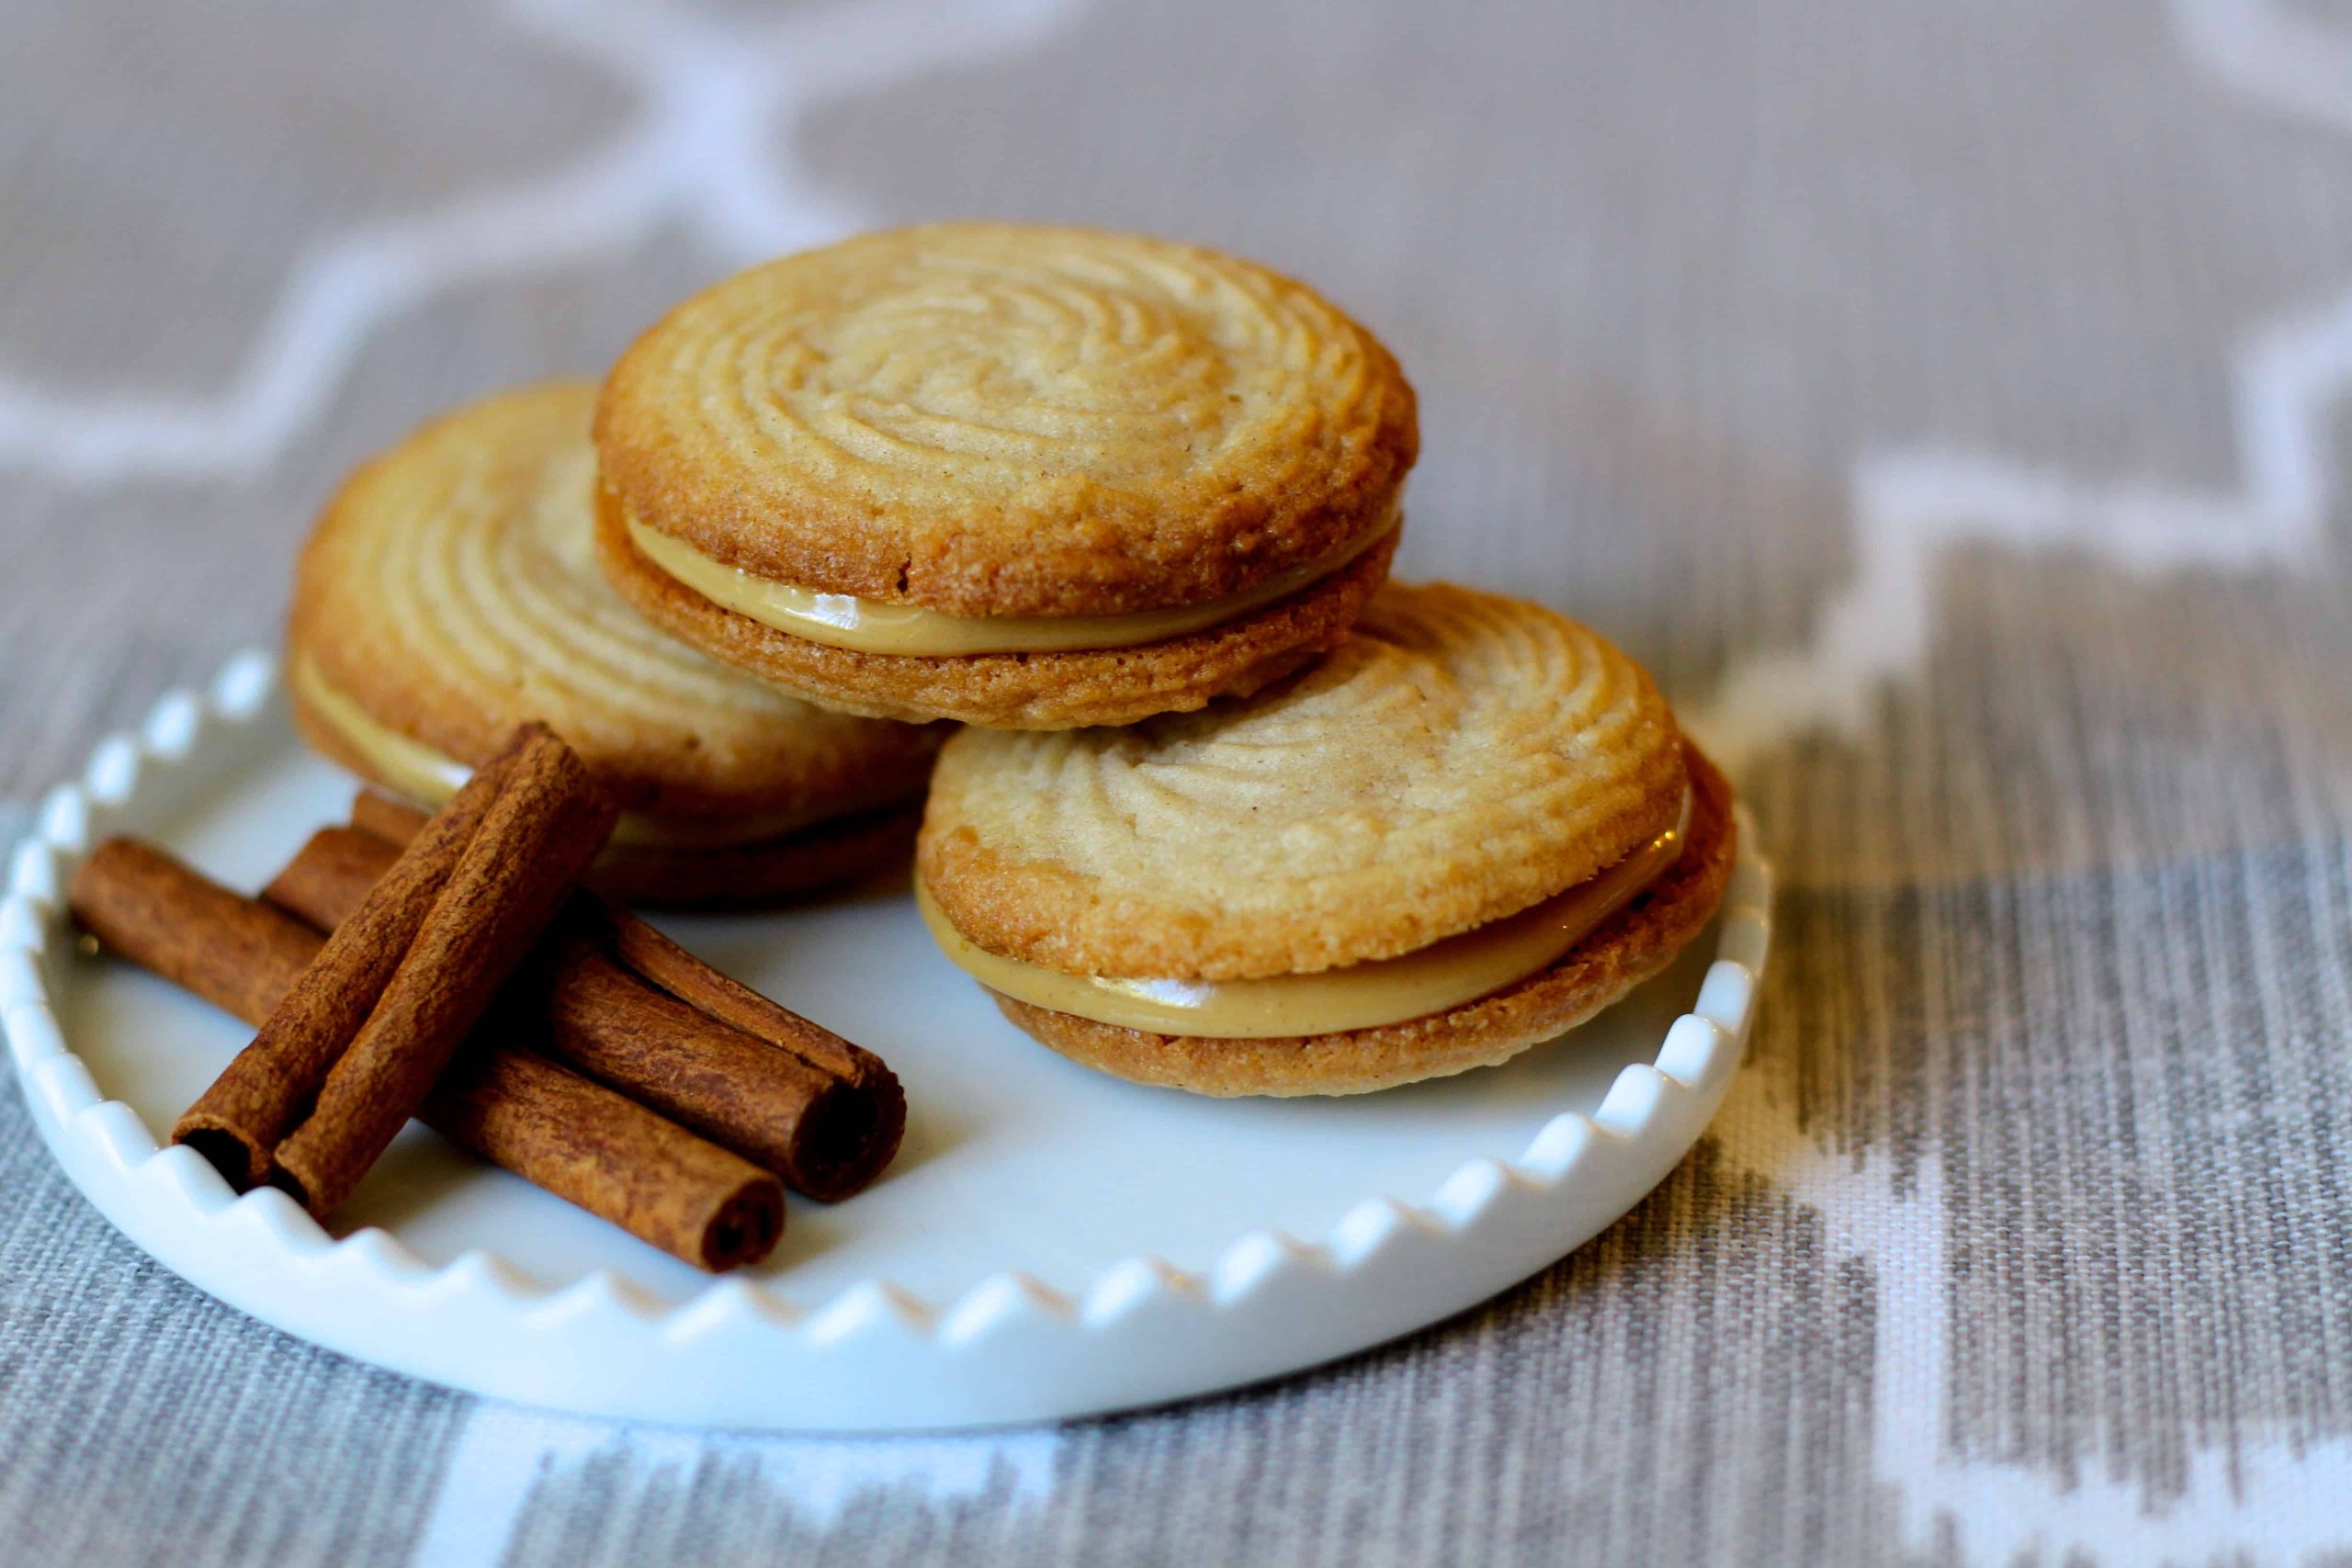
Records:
x=175, y=1208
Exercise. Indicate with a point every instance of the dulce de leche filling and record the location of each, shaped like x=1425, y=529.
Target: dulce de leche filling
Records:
x=872, y=626
x=430, y=777
x=1432, y=979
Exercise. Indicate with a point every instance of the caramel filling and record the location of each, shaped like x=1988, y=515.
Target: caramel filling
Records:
x=413, y=769
x=870, y=625
x=1432, y=979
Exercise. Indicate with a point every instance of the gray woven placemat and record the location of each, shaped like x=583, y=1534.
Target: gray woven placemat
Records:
x=1946, y=401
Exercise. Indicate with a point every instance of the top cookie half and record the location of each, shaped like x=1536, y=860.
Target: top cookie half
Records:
x=1464, y=757
x=897, y=472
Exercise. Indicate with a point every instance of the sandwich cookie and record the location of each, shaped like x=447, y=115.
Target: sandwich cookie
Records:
x=1470, y=828
x=1021, y=477
x=449, y=592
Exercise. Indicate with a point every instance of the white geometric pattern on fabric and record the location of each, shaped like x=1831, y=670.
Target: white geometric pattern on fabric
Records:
x=699, y=152
x=2289, y=376
x=2268, y=1503
x=504, y=1451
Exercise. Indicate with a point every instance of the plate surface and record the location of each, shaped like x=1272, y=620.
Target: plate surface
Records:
x=1050, y=1243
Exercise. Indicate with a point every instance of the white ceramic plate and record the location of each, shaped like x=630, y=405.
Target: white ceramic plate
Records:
x=1050, y=1243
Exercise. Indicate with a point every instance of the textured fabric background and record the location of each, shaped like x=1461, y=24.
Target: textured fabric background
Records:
x=1946, y=399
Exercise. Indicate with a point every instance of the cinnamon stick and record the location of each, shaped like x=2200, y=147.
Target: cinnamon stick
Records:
x=546, y=822
x=814, y=1128
x=612, y=1157
x=858, y=1148
x=641, y=947
x=555, y=1130
x=171, y=920
x=268, y=1090
x=839, y=1153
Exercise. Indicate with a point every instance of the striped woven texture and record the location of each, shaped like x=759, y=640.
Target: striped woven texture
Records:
x=1947, y=400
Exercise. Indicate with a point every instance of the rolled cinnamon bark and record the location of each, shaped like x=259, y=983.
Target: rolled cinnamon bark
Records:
x=612, y=1157
x=269, y=1087
x=555, y=1130
x=545, y=823
x=827, y=1135
x=173, y=921
x=847, y=1150
x=639, y=946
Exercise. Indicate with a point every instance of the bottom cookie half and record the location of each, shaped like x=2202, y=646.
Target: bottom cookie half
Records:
x=1010, y=690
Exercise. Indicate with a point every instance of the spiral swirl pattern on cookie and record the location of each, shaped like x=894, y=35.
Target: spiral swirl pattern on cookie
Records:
x=994, y=419
x=1462, y=757
x=451, y=589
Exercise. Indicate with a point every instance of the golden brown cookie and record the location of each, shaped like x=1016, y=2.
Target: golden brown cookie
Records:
x=1469, y=829
x=1028, y=476
x=449, y=592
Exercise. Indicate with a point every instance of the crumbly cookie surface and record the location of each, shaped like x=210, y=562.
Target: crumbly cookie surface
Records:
x=992, y=419
x=1635, y=944
x=1010, y=690
x=1461, y=757
x=450, y=590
